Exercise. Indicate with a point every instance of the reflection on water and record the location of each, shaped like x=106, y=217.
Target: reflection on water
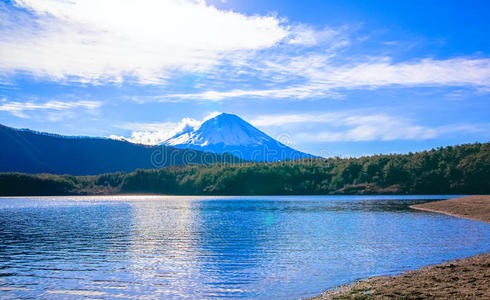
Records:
x=204, y=247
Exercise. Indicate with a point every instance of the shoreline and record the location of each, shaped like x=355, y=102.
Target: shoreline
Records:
x=466, y=278
x=476, y=208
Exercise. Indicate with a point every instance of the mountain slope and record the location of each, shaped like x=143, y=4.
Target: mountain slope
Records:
x=33, y=152
x=229, y=133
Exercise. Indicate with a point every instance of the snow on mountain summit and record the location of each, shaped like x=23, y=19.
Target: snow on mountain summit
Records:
x=224, y=128
x=230, y=133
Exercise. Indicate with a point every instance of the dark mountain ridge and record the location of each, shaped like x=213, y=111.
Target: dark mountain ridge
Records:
x=28, y=151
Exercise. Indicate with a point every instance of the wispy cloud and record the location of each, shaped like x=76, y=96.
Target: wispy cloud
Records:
x=321, y=78
x=358, y=126
x=305, y=35
x=300, y=92
x=371, y=128
x=19, y=108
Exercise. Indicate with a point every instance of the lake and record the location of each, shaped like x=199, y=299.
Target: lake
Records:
x=218, y=247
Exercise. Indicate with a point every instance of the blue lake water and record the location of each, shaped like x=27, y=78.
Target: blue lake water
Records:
x=218, y=247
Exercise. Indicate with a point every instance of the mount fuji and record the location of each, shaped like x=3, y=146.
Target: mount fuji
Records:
x=231, y=134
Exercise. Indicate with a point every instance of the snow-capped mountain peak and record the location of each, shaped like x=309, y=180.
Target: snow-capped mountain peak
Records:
x=230, y=133
x=224, y=128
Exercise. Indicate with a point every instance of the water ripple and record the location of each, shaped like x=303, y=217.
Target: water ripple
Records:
x=218, y=247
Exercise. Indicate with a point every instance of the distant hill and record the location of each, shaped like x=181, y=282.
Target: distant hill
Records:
x=229, y=133
x=28, y=151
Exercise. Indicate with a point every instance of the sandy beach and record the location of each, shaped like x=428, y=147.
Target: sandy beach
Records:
x=467, y=278
x=471, y=207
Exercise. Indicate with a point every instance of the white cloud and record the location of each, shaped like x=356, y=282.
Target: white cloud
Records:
x=93, y=40
x=156, y=133
x=358, y=126
x=321, y=78
x=19, y=108
x=292, y=119
x=372, y=128
x=151, y=41
x=299, y=92
x=308, y=36
x=450, y=72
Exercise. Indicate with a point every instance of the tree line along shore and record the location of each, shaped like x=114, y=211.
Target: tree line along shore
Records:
x=462, y=169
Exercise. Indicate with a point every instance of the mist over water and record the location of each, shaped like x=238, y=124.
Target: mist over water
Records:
x=205, y=247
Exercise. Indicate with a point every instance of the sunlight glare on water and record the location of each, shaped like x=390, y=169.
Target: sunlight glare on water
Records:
x=206, y=247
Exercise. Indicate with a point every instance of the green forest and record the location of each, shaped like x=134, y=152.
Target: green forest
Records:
x=463, y=169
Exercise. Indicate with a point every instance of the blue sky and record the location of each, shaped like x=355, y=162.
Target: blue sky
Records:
x=328, y=77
